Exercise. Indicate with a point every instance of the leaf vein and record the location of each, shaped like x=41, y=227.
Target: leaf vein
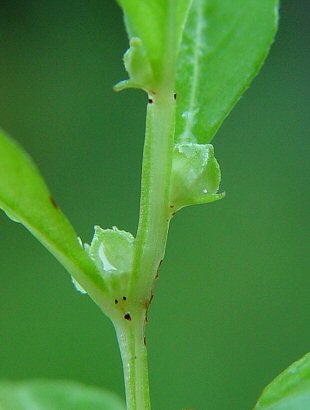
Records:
x=200, y=23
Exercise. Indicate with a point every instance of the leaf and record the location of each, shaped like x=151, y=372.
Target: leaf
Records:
x=112, y=252
x=138, y=67
x=223, y=47
x=196, y=176
x=290, y=390
x=25, y=198
x=159, y=24
x=55, y=395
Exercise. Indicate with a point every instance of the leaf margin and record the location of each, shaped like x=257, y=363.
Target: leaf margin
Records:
x=67, y=250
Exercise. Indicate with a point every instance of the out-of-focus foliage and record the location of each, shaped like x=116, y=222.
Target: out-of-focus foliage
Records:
x=290, y=390
x=50, y=395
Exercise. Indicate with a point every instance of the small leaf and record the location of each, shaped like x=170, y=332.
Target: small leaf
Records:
x=112, y=252
x=159, y=24
x=55, y=395
x=223, y=47
x=25, y=198
x=196, y=175
x=290, y=390
x=138, y=68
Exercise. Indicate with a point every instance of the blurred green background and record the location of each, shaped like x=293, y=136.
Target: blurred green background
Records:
x=232, y=307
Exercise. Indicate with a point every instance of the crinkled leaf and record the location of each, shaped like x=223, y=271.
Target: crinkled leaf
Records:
x=25, y=198
x=223, y=48
x=112, y=252
x=138, y=68
x=196, y=176
x=290, y=390
x=55, y=395
x=159, y=24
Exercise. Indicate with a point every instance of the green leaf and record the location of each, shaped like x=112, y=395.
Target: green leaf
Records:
x=25, y=198
x=290, y=390
x=224, y=45
x=138, y=67
x=196, y=176
x=55, y=395
x=112, y=252
x=159, y=24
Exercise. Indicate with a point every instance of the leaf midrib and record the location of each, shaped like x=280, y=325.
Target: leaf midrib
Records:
x=193, y=94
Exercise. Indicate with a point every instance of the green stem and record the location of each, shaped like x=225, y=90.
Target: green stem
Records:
x=154, y=207
x=132, y=343
x=150, y=246
x=154, y=218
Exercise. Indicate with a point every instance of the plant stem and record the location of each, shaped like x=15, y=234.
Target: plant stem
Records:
x=150, y=246
x=132, y=343
x=155, y=186
x=154, y=218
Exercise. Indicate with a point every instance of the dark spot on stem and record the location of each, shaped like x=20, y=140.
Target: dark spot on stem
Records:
x=151, y=101
x=144, y=341
x=127, y=316
x=157, y=272
x=171, y=206
x=53, y=202
x=116, y=301
x=124, y=298
x=175, y=96
x=147, y=305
